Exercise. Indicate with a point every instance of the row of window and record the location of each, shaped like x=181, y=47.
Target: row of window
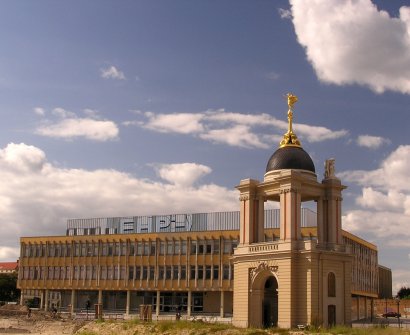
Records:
x=135, y=248
x=92, y=272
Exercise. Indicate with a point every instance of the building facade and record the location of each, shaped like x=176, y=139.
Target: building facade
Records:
x=263, y=267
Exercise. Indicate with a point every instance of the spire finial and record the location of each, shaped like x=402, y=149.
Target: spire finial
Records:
x=290, y=139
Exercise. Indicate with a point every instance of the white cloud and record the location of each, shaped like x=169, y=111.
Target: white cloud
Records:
x=371, y=142
x=39, y=111
x=385, y=200
x=112, y=73
x=352, y=42
x=37, y=201
x=62, y=113
x=183, y=174
x=234, y=129
x=285, y=13
x=97, y=130
x=8, y=254
x=184, y=123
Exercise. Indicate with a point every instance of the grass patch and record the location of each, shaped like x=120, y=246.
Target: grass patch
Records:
x=86, y=332
x=165, y=326
x=361, y=331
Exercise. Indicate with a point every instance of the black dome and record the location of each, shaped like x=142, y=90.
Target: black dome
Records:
x=290, y=157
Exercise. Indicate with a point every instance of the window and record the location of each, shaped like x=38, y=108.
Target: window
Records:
x=208, y=270
x=137, y=272
x=110, y=249
x=161, y=272
x=122, y=272
x=109, y=272
x=200, y=247
x=183, y=247
x=193, y=247
x=331, y=285
x=226, y=272
x=94, y=272
x=215, y=274
x=182, y=274
x=192, y=272
x=151, y=272
x=130, y=272
x=216, y=247
x=200, y=272
x=131, y=249
x=168, y=272
x=88, y=272
x=175, y=272
x=115, y=272
x=153, y=248
x=144, y=273
x=208, y=246
x=176, y=247
x=161, y=247
x=146, y=248
x=170, y=248
x=139, y=248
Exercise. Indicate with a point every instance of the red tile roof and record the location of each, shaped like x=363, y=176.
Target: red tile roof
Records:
x=8, y=266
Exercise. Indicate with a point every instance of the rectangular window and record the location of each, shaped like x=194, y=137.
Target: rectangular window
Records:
x=234, y=245
x=176, y=247
x=130, y=272
x=109, y=272
x=146, y=248
x=82, y=272
x=139, y=248
x=77, y=249
x=200, y=272
x=57, y=272
x=161, y=272
x=192, y=274
x=49, y=275
x=175, y=272
x=95, y=252
x=161, y=248
x=153, y=248
x=138, y=272
x=193, y=247
x=201, y=247
x=67, y=272
x=131, y=249
x=115, y=271
x=110, y=249
x=117, y=249
x=90, y=249
x=227, y=246
x=122, y=272
x=151, y=273
x=170, y=247
x=183, y=247
x=208, y=270
x=167, y=272
x=144, y=273
x=215, y=274
x=226, y=272
x=123, y=248
x=208, y=246
x=94, y=272
x=76, y=272
x=83, y=249
x=216, y=247
x=182, y=274
x=62, y=272
x=88, y=272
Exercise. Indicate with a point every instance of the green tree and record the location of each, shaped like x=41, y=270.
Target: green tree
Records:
x=8, y=287
x=404, y=293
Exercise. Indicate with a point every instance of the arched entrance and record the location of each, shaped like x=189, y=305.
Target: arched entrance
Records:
x=270, y=303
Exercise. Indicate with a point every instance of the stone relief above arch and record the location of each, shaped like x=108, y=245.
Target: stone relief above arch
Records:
x=270, y=266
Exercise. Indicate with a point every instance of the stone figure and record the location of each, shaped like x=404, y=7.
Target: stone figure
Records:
x=330, y=168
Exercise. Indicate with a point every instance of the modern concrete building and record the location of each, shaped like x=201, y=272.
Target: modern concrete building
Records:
x=286, y=267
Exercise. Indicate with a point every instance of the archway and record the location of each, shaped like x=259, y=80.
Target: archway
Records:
x=270, y=303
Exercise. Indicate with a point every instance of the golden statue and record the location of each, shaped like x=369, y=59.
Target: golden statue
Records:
x=290, y=138
x=292, y=99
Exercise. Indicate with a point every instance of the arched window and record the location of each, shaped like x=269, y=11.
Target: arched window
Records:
x=331, y=285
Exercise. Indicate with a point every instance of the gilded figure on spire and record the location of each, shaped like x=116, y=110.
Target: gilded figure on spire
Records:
x=290, y=138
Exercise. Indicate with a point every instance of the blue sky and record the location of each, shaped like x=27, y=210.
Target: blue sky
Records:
x=123, y=108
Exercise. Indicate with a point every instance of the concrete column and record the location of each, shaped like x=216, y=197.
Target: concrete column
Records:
x=320, y=228
x=21, y=298
x=127, y=308
x=189, y=303
x=289, y=214
x=221, y=313
x=41, y=299
x=46, y=301
x=100, y=297
x=73, y=292
x=158, y=303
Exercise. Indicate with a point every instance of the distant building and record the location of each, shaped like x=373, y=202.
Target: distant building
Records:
x=385, y=283
x=262, y=267
x=9, y=267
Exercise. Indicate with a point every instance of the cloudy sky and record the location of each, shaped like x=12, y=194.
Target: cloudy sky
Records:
x=154, y=107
